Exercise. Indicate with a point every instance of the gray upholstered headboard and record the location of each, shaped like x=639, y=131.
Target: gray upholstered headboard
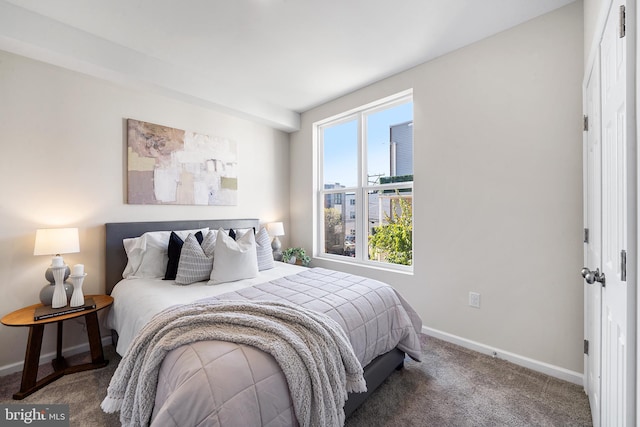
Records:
x=116, y=258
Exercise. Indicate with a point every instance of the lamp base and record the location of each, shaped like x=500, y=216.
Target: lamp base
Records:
x=49, y=274
x=46, y=294
x=275, y=246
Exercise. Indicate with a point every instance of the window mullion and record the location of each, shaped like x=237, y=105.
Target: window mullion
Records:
x=364, y=225
x=362, y=235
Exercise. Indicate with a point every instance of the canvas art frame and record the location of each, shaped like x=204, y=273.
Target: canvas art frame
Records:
x=169, y=166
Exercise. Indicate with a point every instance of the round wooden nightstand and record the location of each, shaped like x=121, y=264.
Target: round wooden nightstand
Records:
x=25, y=317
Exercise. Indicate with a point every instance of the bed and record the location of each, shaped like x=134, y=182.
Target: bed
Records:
x=185, y=391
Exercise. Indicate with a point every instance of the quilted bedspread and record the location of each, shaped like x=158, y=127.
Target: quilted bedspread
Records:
x=218, y=383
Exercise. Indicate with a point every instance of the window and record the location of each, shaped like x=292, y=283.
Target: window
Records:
x=365, y=184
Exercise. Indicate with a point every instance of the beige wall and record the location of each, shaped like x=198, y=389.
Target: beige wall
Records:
x=498, y=188
x=63, y=164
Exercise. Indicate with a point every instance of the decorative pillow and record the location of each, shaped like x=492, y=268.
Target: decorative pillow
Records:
x=234, y=260
x=264, y=251
x=196, y=259
x=173, y=251
x=239, y=232
x=147, y=255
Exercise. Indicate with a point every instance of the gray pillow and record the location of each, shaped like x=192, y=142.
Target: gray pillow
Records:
x=196, y=260
x=264, y=251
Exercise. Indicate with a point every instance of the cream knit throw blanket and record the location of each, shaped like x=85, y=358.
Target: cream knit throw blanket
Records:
x=312, y=349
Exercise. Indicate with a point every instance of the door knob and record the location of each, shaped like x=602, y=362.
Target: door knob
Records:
x=593, y=276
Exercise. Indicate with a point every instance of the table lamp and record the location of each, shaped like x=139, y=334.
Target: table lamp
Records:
x=56, y=241
x=276, y=229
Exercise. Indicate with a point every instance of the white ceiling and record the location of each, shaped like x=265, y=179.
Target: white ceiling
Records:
x=267, y=60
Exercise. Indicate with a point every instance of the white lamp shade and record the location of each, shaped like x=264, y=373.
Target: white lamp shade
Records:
x=275, y=229
x=55, y=241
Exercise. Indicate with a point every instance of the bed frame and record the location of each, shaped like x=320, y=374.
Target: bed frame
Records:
x=116, y=260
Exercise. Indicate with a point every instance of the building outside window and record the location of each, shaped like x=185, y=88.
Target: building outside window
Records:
x=365, y=182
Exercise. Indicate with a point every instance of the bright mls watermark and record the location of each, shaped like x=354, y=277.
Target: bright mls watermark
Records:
x=34, y=415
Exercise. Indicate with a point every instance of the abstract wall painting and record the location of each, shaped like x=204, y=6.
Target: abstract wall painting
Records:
x=167, y=166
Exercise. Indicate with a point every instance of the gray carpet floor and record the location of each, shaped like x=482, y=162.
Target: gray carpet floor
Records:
x=452, y=386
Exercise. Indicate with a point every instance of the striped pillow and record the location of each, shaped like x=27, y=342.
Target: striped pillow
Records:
x=196, y=260
x=264, y=251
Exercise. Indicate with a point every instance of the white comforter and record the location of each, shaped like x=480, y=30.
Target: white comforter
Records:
x=136, y=301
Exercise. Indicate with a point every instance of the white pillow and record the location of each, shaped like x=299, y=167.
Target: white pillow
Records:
x=196, y=260
x=147, y=255
x=234, y=259
x=264, y=250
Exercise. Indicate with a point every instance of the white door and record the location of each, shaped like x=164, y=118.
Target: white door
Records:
x=592, y=248
x=617, y=404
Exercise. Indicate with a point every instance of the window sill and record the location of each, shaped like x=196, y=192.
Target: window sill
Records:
x=390, y=268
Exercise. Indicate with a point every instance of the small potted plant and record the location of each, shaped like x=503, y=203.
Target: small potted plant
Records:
x=296, y=255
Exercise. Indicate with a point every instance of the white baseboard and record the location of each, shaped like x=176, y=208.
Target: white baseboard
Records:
x=48, y=357
x=545, y=368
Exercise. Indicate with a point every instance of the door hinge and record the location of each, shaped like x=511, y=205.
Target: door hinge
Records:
x=623, y=21
x=586, y=235
x=585, y=123
x=586, y=347
x=623, y=265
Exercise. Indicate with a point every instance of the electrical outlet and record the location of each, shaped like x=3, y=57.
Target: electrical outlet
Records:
x=474, y=299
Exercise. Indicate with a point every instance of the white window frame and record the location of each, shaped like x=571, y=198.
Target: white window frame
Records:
x=360, y=190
